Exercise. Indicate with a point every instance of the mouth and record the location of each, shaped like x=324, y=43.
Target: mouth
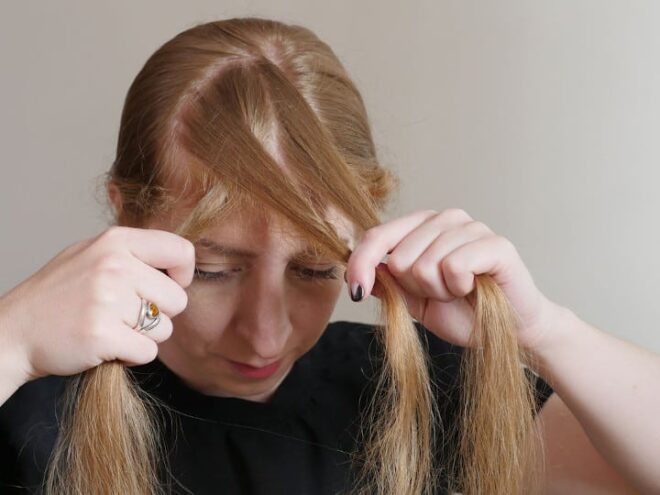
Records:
x=255, y=372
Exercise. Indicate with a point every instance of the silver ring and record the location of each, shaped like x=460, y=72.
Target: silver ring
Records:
x=148, y=311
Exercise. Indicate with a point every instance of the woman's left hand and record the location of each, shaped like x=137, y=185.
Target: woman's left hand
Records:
x=434, y=258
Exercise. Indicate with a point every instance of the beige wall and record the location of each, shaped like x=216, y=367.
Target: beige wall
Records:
x=539, y=118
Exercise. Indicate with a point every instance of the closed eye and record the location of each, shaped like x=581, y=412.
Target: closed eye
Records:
x=330, y=273
x=221, y=275
x=301, y=272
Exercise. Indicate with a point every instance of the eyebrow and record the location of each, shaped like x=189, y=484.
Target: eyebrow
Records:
x=230, y=251
x=223, y=250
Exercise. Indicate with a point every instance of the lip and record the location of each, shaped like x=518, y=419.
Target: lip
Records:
x=255, y=372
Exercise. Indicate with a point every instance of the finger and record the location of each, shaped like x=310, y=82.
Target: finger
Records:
x=161, y=332
x=162, y=249
x=404, y=261
x=426, y=270
x=488, y=255
x=375, y=245
x=155, y=286
x=382, y=239
x=131, y=347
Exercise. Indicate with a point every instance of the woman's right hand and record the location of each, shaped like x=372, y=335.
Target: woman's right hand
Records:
x=80, y=308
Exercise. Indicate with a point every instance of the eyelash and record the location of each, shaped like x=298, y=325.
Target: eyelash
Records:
x=307, y=274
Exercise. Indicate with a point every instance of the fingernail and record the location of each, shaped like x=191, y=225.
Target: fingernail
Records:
x=356, y=292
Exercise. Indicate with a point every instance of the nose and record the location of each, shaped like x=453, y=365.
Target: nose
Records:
x=263, y=320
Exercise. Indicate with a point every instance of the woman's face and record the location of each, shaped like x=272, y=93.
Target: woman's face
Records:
x=257, y=303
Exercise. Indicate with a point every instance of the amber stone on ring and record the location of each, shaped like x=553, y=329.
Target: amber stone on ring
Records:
x=153, y=310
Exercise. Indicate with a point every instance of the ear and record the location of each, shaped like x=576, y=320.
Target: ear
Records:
x=115, y=197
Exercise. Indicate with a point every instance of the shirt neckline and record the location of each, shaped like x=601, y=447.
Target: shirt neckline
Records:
x=291, y=396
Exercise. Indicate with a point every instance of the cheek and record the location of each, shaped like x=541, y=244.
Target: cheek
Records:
x=320, y=297
x=312, y=309
x=204, y=319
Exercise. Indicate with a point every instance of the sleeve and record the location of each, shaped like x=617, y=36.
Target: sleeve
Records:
x=28, y=429
x=9, y=471
x=543, y=390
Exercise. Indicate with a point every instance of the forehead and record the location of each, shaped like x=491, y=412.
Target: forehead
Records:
x=249, y=230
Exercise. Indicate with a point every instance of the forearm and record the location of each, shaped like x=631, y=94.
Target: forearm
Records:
x=612, y=388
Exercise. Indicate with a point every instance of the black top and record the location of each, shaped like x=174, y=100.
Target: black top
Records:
x=297, y=443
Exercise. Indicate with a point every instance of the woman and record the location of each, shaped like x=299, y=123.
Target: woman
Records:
x=246, y=187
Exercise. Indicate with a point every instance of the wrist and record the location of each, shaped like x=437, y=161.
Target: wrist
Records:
x=560, y=329
x=14, y=362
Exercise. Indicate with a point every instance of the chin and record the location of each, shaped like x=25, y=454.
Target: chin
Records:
x=252, y=392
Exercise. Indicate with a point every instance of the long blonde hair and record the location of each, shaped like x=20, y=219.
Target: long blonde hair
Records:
x=248, y=111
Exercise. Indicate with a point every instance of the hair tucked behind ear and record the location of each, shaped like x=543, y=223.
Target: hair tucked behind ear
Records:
x=251, y=113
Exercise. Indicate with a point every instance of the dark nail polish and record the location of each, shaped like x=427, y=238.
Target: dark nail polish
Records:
x=357, y=293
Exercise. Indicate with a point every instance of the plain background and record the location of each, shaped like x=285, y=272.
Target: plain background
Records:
x=540, y=119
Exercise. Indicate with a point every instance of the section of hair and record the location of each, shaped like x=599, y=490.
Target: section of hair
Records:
x=500, y=447
x=108, y=443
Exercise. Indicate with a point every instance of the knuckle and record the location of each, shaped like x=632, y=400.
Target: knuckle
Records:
x=111, y=264
x=477, y=226
x=508, y=246
x=188, y=250
x=506, y=243
x=112, y=233
x=111, y=238
x=396, y=264
x=456, y=214
x=181, y=301
x=150, y=350
x=372, y=235
x=169, y=328
x=450, y=265
x=92, y=337
x=427, y=215
x=107, y=241
x=437, y=218
x=422, y=273
x=429, y=212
